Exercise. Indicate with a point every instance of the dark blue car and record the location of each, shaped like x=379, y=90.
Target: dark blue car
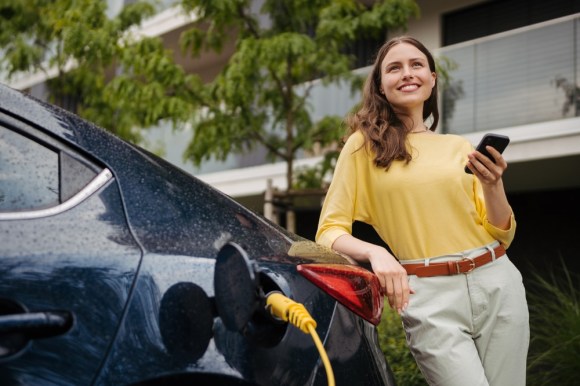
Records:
x=118, y=268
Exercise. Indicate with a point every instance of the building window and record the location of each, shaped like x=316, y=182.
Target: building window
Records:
x=497, y=16
x=364, y=51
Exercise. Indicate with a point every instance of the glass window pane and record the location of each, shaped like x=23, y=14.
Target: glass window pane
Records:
x=28, y=173
x=75, y=175
x=458, y=96
x=516, y=76
x=512, y=79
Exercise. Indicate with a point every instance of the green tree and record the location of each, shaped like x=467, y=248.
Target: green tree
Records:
x=260, y=98
x=97, y=64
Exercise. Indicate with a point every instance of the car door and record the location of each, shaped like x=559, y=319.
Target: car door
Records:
x=67, y=259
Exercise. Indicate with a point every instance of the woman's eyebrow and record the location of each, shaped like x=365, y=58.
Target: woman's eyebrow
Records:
x=398, y=61
x=406, y=60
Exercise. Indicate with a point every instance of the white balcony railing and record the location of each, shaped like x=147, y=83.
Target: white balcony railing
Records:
x=520, y=77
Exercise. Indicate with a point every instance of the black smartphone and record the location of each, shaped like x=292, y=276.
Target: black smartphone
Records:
x=497, y=141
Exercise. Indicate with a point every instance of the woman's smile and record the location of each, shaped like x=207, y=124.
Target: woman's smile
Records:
x=408, y=87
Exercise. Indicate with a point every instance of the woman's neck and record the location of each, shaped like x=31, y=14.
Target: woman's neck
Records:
x=412, y=119
x=415, y=124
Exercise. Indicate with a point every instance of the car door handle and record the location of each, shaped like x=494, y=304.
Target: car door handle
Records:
x=36, y=324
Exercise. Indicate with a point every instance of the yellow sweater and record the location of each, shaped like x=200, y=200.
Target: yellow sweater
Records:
x=427, y=208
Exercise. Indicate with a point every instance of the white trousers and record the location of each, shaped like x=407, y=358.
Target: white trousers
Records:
x=470, y=329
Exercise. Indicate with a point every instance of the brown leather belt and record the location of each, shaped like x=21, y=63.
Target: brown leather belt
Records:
x=455, y=267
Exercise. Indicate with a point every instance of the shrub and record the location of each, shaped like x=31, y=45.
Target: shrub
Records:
x=394, y=346
x=554, y=302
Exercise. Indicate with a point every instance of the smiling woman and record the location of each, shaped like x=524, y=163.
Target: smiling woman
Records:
x=410, y=184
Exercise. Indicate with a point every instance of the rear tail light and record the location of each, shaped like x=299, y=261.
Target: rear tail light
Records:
x=354, y=287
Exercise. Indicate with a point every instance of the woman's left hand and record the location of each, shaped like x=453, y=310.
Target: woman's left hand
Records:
x=488, y=172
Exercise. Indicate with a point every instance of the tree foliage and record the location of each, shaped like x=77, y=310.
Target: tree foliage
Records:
x=107, y=73
x=262, y=95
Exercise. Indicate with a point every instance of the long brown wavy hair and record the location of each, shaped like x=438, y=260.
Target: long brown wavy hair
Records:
x=383, y=130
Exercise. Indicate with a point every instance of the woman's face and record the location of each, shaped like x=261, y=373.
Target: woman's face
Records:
x=406, y=80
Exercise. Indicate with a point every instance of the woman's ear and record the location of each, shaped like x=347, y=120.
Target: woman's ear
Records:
x=433, y=79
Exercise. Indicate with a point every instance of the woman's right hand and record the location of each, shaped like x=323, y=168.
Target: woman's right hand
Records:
x=392, y=276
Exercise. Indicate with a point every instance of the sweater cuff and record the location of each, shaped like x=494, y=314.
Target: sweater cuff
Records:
x=504, y=236
x=329, y=237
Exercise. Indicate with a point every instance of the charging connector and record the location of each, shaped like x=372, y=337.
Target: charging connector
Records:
x=296, y=314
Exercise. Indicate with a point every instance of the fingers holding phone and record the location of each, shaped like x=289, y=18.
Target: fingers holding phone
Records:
x=487, y=162
x=487, y=169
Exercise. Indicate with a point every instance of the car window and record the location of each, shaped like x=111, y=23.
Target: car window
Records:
x=74, y=175
x=28, y=173
x=34, y=175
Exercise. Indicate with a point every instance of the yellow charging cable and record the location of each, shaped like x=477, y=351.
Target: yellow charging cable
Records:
x=295, y=313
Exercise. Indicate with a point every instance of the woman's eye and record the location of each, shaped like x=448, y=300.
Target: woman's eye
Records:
x=417, y=65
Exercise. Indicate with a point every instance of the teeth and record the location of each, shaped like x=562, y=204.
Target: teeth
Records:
x=409, y=87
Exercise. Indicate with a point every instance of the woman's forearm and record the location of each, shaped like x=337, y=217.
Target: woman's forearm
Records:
x=357, y=249
x=499, y=211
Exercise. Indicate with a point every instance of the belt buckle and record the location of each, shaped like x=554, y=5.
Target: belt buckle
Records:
x=471, y=265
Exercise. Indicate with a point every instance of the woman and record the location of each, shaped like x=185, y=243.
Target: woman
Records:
x=462, y=301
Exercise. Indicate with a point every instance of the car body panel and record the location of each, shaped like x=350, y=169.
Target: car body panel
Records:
x=94, y=287
x=228, y=352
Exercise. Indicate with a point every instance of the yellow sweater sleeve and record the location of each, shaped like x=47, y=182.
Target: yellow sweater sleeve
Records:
x=342, y=203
